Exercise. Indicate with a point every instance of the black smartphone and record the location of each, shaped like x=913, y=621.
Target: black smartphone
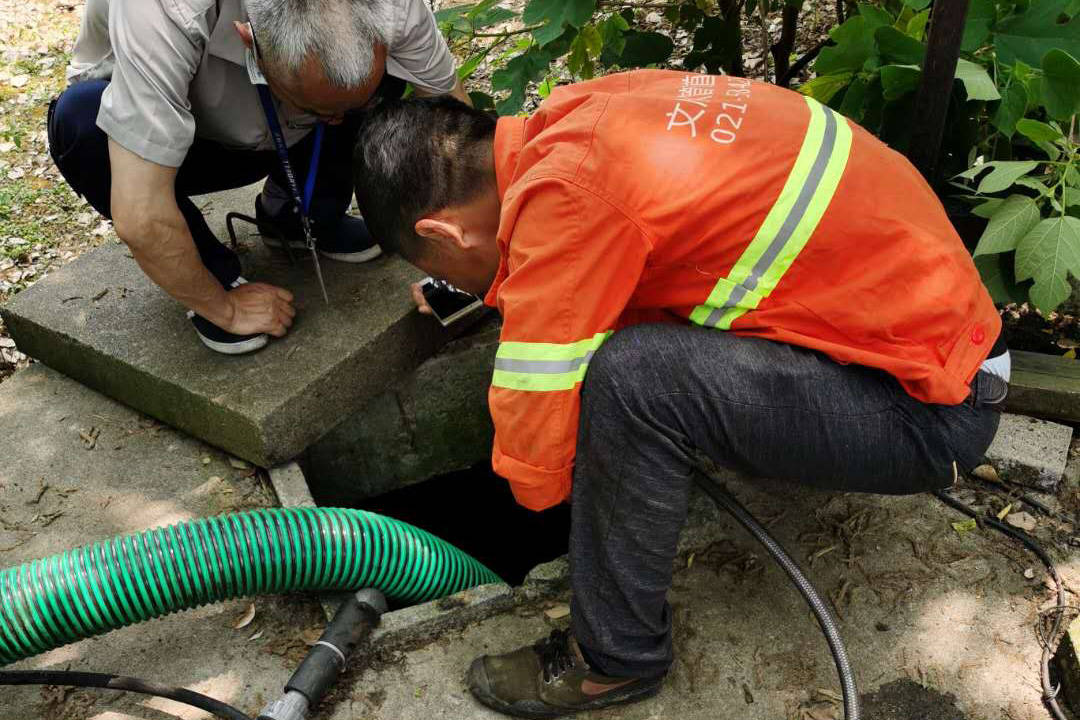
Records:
x=446, y=301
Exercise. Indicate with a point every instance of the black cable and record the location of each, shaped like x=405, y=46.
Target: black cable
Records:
x=106, y=681
x=1049, y=691
x=1017, y=493
x=829, y=624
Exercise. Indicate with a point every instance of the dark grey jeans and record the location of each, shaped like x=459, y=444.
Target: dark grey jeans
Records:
x=657, y=396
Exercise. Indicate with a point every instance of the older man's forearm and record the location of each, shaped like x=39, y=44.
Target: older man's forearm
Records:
x=148, y=220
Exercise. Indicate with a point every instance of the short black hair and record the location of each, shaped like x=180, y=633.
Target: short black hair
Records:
x=414, y=157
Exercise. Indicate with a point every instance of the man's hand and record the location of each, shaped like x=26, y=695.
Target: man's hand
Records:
x=418, y=298
x=258, y=308
x=148, y=220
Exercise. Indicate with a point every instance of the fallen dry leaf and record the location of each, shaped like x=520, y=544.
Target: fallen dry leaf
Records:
x=1023, y=520
x=558, y=611
x=245, y=619
x=986, y=472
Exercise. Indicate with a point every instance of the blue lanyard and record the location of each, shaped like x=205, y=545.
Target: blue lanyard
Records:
x=302, y=201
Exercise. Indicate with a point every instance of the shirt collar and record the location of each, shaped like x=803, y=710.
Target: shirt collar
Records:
x=509, y=140
x=224, y=42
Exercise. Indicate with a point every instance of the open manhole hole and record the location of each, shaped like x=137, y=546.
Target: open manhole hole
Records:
x=475, y=510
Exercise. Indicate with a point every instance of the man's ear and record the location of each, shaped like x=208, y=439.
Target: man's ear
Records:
x=441, y=231
x=244, y=31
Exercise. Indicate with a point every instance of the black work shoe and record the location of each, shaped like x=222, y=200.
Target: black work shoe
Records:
x=550, y=679
x=224, y=342
x=345, y=239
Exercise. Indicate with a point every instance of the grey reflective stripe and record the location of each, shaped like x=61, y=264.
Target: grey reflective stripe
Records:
x=543, y=366
x=806, y=194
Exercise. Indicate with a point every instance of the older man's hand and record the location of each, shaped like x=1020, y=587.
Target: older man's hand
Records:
x=257, y=308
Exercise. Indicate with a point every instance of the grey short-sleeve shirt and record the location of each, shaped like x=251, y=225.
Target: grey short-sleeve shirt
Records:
x=177, y=71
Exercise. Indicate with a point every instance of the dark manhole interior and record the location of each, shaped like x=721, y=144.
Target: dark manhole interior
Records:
x=475, y=510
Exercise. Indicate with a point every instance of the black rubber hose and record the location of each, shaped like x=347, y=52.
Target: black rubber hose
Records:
x=122, y=683
x=1049, y=691
x=829, y=624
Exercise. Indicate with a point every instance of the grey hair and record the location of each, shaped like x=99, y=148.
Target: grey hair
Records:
x=340, y=34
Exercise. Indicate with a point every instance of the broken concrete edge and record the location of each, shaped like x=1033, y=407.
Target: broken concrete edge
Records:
x=418, y=625
x=290, y=486
x=1030, y=452
x=1045, y=386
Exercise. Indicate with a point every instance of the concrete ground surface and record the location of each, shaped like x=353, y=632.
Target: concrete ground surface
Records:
x=59, y=491
x=939, y=623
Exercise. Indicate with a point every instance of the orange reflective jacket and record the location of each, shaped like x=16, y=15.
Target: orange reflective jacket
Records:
x=716, y=200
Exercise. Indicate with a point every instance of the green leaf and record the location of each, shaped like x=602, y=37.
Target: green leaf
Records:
x=452, y=14
x=594, y=42
x=645, y=48
x=1011, y=108
x=1061, y=84
x=875, y=17
x=515, y=76
x=897, y=48
x=916, y=26
x=854, y=46
x=854, y=102
x=899, y=80
x=717, y=44
x=584, y=49
x=1031, y=34
x=1070, y=196
x=492, y=17
x=545, y=87
x=823, y=87
x=917, y=4
x=481, y=100
x=1004, y=174
x=467, y=68
x=977, y=82
x=999, y=278
x=988, y=208
x=1035, y=184
x=555, y=14
x=980, y=16
x=1037, y=131
x=1047, y=254
x=611, y=32
x=1010, y=222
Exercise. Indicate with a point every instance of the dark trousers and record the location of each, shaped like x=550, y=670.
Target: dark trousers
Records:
x=657, y=396
x=80, y=149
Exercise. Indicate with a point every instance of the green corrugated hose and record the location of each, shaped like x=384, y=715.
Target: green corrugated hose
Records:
x=85, y=592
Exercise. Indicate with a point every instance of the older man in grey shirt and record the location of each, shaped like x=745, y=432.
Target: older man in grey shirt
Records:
x=161, y=105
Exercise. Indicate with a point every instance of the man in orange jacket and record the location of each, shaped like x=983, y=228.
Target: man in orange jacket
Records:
x=620, y=230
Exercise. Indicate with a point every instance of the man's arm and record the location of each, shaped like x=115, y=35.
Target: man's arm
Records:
x=148, y=220
x=574, y=262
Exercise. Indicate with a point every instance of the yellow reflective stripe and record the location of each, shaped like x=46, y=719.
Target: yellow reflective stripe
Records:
x=789, y=224
x=544, y=366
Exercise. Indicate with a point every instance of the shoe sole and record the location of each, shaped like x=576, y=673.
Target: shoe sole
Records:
x=352, y=257
x=241, y=348
x=477, y=682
